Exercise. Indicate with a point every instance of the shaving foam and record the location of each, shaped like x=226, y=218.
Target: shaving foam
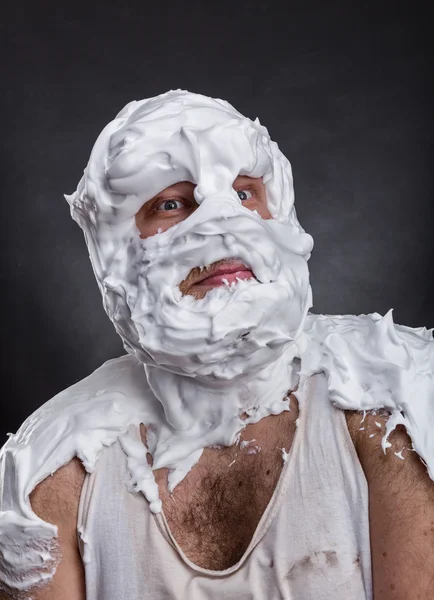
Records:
x=198, y=371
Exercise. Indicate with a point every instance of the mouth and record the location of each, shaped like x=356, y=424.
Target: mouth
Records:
x=226, y=275
x=223, y=272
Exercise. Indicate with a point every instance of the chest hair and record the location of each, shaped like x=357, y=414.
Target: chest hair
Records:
x=214, y=512
x=215, y=520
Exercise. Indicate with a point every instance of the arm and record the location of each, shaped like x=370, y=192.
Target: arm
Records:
x=56, y=500
x=401, y=512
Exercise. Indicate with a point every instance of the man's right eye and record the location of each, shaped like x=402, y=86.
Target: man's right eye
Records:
x=168, y=205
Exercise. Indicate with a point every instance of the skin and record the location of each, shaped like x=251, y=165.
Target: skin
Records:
x=176, y=202
x=157, y=213
x=401, y=495
x=401, y=511
x=214, y=511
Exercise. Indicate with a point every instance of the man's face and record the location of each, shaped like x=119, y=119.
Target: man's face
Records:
x=175, y=203
x=169, y=310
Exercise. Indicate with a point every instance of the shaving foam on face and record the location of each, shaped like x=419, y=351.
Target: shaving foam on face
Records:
x=151, y=145
x=196, y=368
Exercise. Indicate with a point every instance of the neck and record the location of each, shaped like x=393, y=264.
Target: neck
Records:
x=199, y=414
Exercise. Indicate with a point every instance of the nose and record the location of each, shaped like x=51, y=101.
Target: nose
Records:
x=220, y=205
x=203, y=193
x=211, y=209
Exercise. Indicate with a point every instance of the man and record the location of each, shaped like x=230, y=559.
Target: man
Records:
x=226, y=456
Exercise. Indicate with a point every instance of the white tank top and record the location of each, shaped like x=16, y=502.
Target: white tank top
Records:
x=312, y=542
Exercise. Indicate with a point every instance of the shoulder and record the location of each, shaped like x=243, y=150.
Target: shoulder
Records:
x=78, y=421
x=42, y=525
x=55, y=501
x=401, y=509
x=397, y=461
x=42, y=465
x=373, y=363
x=367, y=430
x=56, y=498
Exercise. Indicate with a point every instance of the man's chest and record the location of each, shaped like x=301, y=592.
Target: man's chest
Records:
x=214, y=512
x=214, y=521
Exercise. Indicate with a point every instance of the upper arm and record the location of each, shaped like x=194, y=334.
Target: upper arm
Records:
x=56, y=500
x=401, y=512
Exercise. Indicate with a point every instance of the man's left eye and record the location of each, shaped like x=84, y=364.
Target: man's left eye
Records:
x=244, y=195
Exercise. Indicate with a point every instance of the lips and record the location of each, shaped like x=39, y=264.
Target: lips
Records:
x=228, y=271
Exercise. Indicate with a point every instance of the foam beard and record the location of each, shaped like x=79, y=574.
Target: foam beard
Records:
x=233, y=331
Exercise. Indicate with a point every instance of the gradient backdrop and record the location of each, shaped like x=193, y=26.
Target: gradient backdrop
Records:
x=346, y=91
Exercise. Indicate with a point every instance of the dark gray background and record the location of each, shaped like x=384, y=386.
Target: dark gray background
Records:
x=344, y=89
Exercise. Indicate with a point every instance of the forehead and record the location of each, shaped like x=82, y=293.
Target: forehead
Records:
x=208, y=146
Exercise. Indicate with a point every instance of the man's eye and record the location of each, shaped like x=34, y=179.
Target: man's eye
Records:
x=244, y=195
x=168, y=205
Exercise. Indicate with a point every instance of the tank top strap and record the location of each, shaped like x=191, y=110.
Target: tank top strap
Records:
x=319, y=419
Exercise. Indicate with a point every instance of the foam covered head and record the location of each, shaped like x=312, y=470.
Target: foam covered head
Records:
x=153, y=144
